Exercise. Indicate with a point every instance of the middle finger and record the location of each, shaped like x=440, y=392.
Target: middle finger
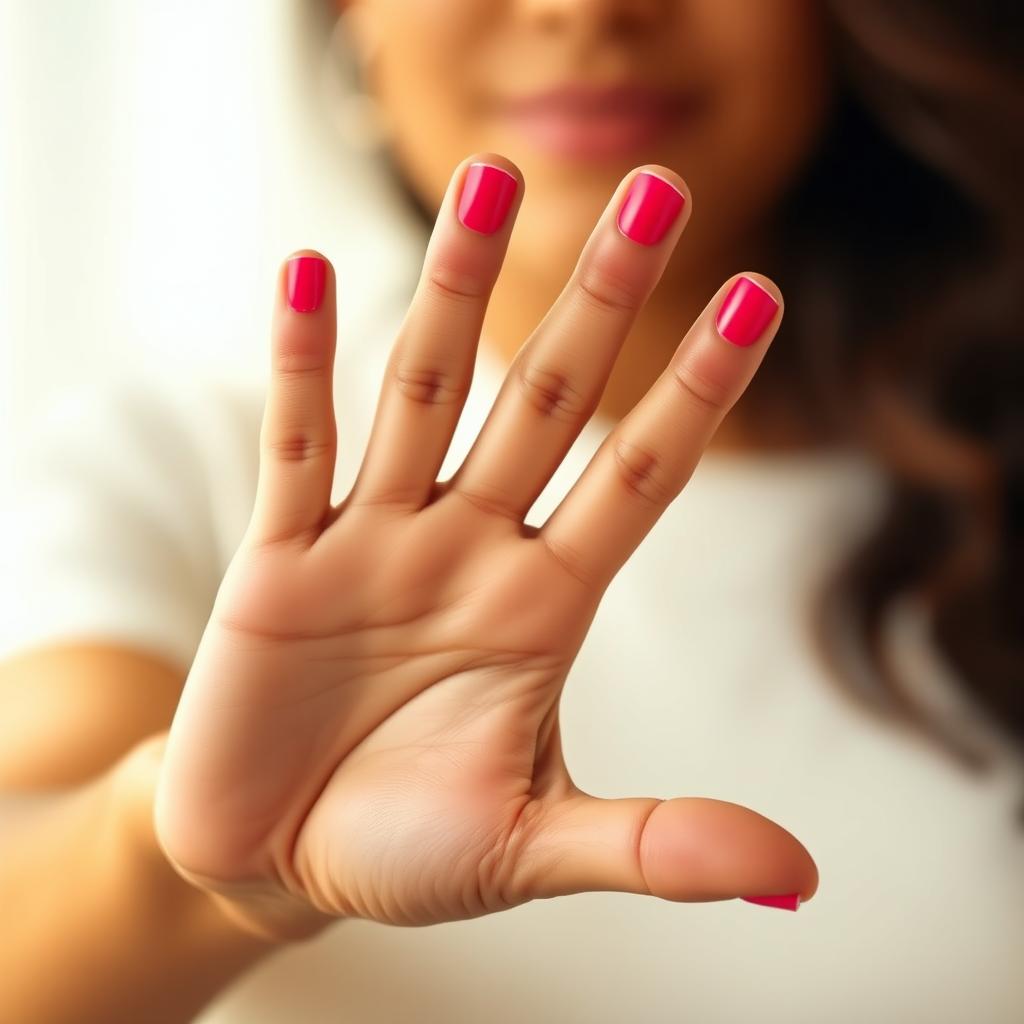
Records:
x=556, y=380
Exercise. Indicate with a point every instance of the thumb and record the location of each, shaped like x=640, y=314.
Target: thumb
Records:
x=687, y=849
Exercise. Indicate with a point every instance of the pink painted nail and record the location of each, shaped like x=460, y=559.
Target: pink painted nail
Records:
x=650, y=207
x=487, y=194
x=788, y=902
x=747, y=310
x=306, y=278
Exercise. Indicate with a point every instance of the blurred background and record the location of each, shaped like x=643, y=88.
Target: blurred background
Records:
x=139, y=144
x=157, y=162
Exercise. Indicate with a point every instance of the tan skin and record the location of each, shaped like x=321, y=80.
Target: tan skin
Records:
x=370, y=726
x=402, y=655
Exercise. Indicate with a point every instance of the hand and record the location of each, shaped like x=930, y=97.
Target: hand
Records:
x=370, y=727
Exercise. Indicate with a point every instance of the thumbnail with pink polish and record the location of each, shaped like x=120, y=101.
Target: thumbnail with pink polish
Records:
x=306, y=278
x=487, y=194
x=650, y=207
x=747, y=310
x=790, y=901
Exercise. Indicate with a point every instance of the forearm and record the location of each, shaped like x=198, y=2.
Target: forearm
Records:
x=97, y=926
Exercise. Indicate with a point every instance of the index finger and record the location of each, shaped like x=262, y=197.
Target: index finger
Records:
x=431, y=364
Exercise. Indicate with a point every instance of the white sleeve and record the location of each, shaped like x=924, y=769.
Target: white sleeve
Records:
x=109, y=527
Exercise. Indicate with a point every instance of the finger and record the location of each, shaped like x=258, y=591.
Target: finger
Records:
x=298, y=434
x=647, y=458
x=688, y=849
x=556, y=379
x=430, y=368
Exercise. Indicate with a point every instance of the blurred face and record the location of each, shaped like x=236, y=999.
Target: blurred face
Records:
x=730, y=93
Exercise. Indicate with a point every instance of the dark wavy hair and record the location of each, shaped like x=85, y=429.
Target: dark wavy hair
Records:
x=900, y=249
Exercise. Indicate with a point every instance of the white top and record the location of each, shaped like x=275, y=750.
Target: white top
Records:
x=695, y=678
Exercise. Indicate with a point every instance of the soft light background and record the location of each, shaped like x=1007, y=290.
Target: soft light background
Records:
x=157, y=163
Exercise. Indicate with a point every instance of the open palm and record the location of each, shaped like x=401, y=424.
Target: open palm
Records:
x=370, y=725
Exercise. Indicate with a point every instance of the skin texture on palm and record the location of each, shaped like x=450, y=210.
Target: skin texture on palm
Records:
x=370, y=725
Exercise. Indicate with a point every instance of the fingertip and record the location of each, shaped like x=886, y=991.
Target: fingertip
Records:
x=749, y=308
x=673, y=178
x=808, y=892
x=782, y=901
x=652, y=206
x=486, y=192
x=763, y=282
x=305, y=281
x=308, y=254
x=700, y=849
x=492, y=159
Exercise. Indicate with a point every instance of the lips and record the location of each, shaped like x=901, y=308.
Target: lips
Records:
x=578, y=121
x=583, y=100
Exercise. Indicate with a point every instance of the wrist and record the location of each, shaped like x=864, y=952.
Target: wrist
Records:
x=249, y=912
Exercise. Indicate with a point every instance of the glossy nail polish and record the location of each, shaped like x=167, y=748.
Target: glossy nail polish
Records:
x=487, y=194
x=790, y=901
x=746, y=311
x=306, y=278
x=649, y=208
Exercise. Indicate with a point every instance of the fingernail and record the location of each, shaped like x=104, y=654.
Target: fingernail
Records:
x=747, y=310
x=487, y=194
x=650, y=207
x=306, y=278
x=788, y=902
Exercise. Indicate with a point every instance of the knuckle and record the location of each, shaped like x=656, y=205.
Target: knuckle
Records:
x=698, y=389
x=454, y=285
x=605, y=291
x=299, y=367
x=490, y=504
x=299, y=447
x=551, y=391
x=568, y=558
x=514, y=868
x=642, y=473
x=395, y=500
x=428, y=385
x=283, y=538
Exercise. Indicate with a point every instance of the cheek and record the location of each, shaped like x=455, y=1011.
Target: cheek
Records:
x=782, y=78
x=423, y=81
x=773, y=85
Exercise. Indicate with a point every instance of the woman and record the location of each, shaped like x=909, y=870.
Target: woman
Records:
x=378, y=618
